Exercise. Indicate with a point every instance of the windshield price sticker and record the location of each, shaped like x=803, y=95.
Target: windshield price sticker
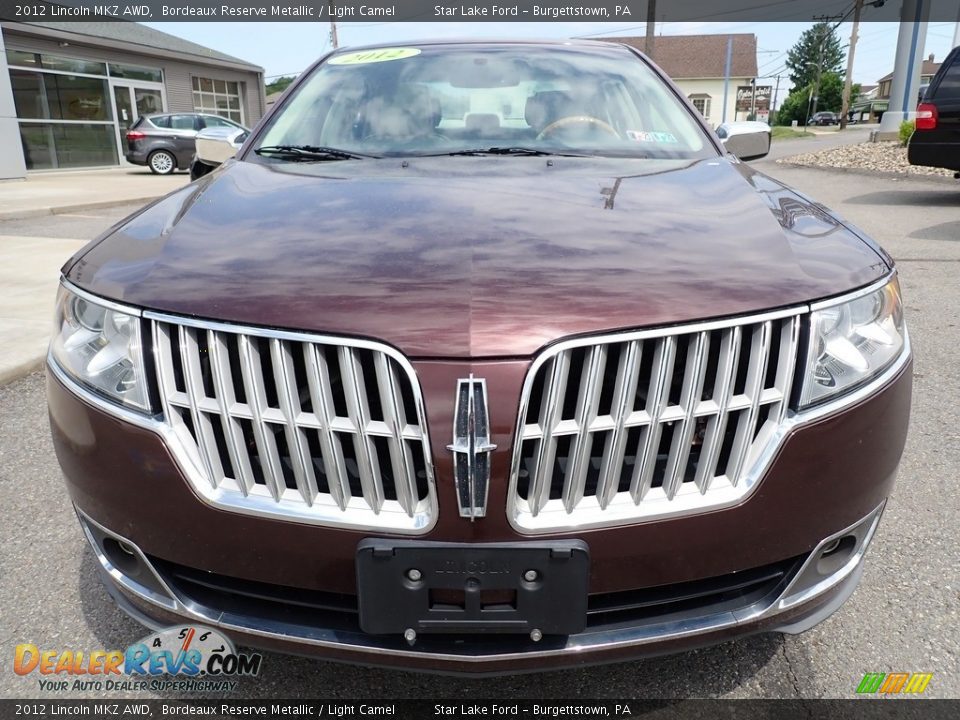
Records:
x=374, y=56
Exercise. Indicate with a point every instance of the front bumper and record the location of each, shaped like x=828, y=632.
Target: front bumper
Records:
x=812, y=591
x=831, y=475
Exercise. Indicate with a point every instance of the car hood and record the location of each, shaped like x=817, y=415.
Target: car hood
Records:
x=475, y=257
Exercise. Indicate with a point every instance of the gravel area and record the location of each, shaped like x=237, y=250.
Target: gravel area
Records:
x=880, y=157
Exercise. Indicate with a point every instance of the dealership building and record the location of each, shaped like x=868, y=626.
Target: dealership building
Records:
x=69, y=90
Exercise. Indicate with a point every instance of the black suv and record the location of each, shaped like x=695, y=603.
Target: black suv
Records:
x=167, y=141
x=936, y=141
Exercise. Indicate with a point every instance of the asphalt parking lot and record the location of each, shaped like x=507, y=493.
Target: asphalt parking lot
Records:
x=904, y=616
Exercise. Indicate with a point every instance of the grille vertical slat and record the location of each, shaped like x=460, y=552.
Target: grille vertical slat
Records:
x=190, y=364
x=401, y=460
x=690, y=400
x=351, y=373
x=288, y=396
x=588, y=400
x=789, y=342
x=227, y=400
x=321, y=398
x=757, y=370
x=723, y=393
x=624, y=393
x=550, y=415
x=659, y=386
x=266, y=443
x=295, y=426
x=686, y=415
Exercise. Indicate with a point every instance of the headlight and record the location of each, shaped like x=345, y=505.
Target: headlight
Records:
x=99, y=345
x=852, y=341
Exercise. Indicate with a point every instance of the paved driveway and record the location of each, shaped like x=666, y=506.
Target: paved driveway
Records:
x=904, y=617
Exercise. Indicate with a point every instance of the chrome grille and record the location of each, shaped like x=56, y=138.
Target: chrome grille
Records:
x=638, y=426
x=307, y=428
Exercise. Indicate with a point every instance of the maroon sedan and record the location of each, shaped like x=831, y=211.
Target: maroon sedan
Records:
x=482, y=357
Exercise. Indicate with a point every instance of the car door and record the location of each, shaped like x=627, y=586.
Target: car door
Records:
x=184, y=135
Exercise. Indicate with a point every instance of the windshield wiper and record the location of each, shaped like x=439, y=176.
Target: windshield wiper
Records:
x=309, y=152
x=507, y=150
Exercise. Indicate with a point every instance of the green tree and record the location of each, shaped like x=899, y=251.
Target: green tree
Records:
x=794, y=107
x=818, y=46
x=280, y=84
x=830, y=96
x=799, y=102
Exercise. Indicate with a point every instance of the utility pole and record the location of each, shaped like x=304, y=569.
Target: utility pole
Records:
x=845, y=107
x=333, y=25
x=773, y=106
x=753, y=98
x=726, y=79
x=651, y=27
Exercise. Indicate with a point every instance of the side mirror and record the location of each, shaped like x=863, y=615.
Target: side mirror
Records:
x=216, y=145
x=748, y=140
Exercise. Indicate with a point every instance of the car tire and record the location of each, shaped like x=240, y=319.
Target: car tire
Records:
x=161, y=162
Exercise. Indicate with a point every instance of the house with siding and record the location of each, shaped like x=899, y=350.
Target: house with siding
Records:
x=69, y=90
x=698, y=65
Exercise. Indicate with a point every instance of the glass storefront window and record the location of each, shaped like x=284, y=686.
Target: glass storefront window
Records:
x=55, y=62
x=29, y=98
x=48, y=96
x=133, y=72
x=65, y=64
x=18, y=57
x=51, y=145
x=148, y=101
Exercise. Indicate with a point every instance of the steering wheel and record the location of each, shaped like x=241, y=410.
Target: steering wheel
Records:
x=577, y=120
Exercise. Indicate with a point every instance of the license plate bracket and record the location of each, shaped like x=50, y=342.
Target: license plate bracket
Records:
x=472, y=588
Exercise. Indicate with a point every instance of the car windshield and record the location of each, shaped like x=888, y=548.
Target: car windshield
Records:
x=496, y=99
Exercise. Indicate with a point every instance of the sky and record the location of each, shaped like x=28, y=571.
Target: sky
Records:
x=288, y=48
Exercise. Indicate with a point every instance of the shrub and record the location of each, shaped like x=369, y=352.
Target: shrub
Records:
x=906, y=130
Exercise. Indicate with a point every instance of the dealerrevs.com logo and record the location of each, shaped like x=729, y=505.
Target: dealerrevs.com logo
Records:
x=203, y=656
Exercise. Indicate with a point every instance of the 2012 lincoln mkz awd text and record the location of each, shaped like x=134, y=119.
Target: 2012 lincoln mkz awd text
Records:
x=482, y=357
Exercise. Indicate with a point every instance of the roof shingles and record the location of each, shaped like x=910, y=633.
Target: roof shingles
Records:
x=139, y=34
x=691, y=57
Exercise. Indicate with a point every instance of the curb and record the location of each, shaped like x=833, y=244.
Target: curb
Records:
x=20, y=370
x=64, y=209
x=884, y=174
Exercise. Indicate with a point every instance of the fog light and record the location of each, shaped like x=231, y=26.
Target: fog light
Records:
x=836, y=554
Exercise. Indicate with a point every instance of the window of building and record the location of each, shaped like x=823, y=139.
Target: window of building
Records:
x=49, y=96
x=55, y=62
x=702, y=103
x=133, y=72
x=218, y=97
x=56, y=145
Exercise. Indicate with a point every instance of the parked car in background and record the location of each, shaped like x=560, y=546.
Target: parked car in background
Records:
x=562, y=381
x=936, y=139
x=824, y=118
x=165, y=142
